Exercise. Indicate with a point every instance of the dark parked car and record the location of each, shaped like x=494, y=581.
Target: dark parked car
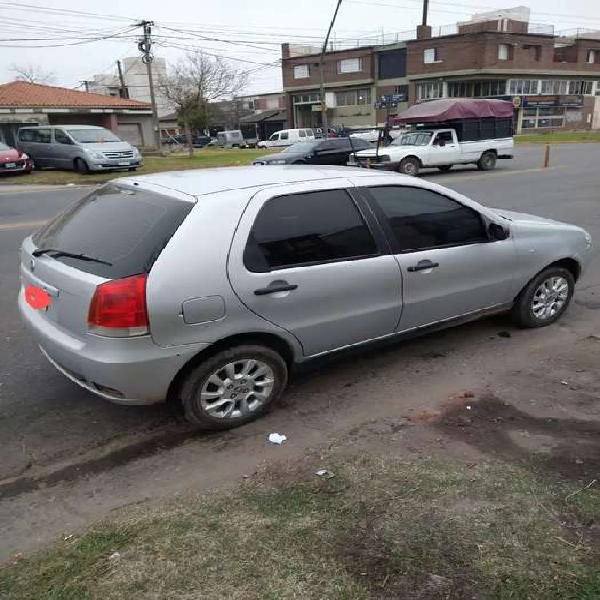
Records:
x=14, y=161
x=198, y=141
x=334, y=151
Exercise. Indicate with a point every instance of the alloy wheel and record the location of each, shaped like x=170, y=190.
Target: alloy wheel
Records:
x=550, y=298
x=237, y=389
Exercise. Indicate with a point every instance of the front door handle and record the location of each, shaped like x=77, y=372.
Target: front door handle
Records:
x=422, y=265
x=275, y=286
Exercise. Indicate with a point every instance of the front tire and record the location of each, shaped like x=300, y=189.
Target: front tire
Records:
x=81, y=166
x=233, y=387
x=132, y=169
x=487, y=161
x=409, y=166
x=545, y=298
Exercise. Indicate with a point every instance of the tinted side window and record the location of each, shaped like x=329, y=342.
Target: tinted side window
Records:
x=284, y=135
x=26, y=135
x=61, y=137
x=301, y=229
x=302, y=133
x=41, y=135
x=421, y=219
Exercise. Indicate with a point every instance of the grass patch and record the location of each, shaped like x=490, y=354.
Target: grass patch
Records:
x=558, y=137
x=203, y=158
x=382, y=528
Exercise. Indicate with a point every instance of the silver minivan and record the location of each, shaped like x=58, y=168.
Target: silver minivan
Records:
x=209, y=286
x=83, y=148
x=230, y=139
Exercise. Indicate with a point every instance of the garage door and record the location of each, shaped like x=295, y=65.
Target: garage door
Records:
x=130, y=132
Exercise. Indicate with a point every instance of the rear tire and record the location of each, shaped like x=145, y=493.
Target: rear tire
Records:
x=132, y=169
x=545, y=298
x=81, y=166
x=233, y=387
x=445, y=168
x=487, y=161
x=409, y=166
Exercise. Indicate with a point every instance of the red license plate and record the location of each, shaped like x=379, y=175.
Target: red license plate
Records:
x=36, y=297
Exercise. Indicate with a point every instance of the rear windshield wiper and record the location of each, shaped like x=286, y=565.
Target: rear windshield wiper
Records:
x=57, y=252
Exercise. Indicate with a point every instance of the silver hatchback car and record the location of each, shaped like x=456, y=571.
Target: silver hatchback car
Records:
x=209, y=286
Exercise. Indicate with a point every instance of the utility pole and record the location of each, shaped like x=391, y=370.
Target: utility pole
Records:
x=124, y=90
x=145, y=47
x=324, y=123
x=425, y=10
x=86, y=84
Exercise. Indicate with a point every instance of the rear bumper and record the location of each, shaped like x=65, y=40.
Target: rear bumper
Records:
x=125, y=371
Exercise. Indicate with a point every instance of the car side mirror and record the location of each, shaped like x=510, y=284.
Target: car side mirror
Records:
x=497, y=232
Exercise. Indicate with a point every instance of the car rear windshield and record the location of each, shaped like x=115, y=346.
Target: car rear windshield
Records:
x=123, y=226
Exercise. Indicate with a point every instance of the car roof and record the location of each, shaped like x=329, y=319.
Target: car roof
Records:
x=199, y=182
x=62, y=127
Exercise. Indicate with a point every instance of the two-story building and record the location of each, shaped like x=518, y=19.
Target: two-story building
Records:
x=553, y=80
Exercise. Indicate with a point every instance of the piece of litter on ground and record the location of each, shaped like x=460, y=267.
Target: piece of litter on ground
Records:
x=277, y=438
x=115, y=556
x=468, y=407
x=325, y=474
x=70, y=184
x=564, y=382
x=578, y=461
x=66, y=538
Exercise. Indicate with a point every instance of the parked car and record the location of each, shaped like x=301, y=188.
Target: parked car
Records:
x=459, y=131
x=318, y=152
x=80, y=147
x=230, y=139
x=287, y=137
x=434, y=148
x=210, y=286
x=198, y=141
x=14, y=161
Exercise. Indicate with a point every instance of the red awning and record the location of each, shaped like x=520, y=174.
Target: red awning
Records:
x=438, y=111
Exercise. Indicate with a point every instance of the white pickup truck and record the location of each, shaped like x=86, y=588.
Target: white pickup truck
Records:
x=437, y=148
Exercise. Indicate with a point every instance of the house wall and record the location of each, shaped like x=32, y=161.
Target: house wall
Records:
x=330, y=68
x=480, y=50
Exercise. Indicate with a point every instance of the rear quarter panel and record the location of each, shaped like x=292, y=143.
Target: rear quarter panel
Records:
x=193, y=269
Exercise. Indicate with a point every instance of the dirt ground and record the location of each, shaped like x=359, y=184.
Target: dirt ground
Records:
x=484, y=389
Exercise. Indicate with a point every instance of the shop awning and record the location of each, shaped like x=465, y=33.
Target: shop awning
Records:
x=454, y=108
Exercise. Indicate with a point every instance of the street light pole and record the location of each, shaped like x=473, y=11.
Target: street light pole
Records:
x=324, y=123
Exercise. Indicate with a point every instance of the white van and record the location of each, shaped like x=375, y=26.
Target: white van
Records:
x=287, y=137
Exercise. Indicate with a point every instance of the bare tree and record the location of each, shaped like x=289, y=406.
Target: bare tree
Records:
x=196, y=81
x=32, y=74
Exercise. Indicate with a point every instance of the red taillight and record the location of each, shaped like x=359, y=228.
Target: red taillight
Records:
x=118, y=308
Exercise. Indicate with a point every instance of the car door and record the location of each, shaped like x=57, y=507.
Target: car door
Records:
x=450, y=266
x=443, y=149
x=324, y=153
x=313, y=262
x=40, y=146
x=64, y=150
x=284, y=139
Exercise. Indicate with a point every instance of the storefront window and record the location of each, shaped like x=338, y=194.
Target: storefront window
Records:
x=543, y=117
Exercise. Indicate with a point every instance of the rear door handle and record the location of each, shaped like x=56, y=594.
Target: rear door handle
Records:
x=275, y=286
x=422, y=265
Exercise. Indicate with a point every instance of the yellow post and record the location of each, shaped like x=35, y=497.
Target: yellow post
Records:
x=547, y=156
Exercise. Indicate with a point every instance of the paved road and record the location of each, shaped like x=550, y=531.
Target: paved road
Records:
x=46, y=421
